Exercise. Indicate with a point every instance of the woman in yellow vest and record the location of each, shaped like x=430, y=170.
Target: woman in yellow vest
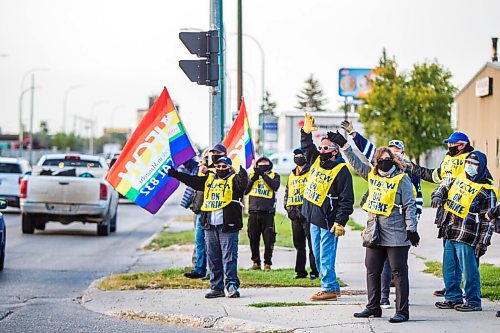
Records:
x=466, y=230
x=294, y=198
x=391, y=211
x=221, y=218
x=328, y=202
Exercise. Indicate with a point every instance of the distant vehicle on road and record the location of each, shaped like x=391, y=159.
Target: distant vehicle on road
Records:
x=3, y=235
x=67, y=188
x=282, y=162
x=12, y=170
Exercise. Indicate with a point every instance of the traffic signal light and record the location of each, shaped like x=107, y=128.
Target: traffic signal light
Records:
x=205, y=44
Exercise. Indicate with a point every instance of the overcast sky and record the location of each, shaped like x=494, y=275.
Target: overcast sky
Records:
x=123, y=51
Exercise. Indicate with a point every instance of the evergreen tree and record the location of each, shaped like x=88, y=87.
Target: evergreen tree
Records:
x=311, y=96
x=268, y=106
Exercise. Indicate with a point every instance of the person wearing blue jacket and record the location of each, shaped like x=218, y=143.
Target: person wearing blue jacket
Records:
x=367, y=148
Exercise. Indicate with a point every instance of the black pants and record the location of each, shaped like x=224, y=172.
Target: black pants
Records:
x=301, y=233
x=261, y=224
x=374, y=262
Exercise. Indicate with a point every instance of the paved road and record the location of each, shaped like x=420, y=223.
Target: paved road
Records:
x=46, y=273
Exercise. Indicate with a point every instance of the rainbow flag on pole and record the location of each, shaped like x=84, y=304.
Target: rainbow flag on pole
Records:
x=239, y=140
x=158, y=143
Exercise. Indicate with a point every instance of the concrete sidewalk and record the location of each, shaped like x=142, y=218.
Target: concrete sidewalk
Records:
x=190, y=308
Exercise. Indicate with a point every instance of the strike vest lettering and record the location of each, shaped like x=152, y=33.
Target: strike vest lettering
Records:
x=461, y=195
x=218, y=193
x=381, y=193
x=260, y=187
x=319, y=182
x=451, y=167
x=296, y=187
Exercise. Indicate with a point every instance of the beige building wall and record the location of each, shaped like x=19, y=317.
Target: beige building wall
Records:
x=479, y=118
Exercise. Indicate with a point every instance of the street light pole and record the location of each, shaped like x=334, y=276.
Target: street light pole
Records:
x=65, y=104
x=216, y=112
x=92, y=124
x=21, y=127
x=31, y=117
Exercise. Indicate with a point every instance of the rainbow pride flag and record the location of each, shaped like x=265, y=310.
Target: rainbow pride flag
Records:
x=158, y=143
x=239, y=140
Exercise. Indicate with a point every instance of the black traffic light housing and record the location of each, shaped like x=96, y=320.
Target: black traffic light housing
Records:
x=205, y=44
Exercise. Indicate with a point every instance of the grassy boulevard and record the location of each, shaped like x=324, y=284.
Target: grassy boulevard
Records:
x=173, y=279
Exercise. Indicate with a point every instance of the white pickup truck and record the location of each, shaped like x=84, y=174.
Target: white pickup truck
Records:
x=67, y=188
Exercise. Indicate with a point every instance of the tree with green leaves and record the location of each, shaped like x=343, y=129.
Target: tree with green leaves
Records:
x=311, y=96
x=268, y=106
x=413, y=107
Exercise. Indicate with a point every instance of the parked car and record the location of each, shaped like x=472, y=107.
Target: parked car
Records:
x=12, y=171
x=3, y=235
x=67, y=188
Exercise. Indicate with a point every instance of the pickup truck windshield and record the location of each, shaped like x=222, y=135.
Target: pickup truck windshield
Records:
x=62, y=163
x=9, y=168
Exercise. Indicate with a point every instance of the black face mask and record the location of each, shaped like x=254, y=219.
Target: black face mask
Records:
x=453, y=150
x=385, y=165
x=325, y=156
x=264, y=168
x=215, y=158
x=300, y=161
x=222, y=173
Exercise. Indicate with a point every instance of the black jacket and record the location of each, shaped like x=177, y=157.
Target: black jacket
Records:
x=294, y=211
x=232, y=213
x=338, y=209
x=259, y=204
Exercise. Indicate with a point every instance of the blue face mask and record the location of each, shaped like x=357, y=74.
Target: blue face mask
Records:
x=471, y=169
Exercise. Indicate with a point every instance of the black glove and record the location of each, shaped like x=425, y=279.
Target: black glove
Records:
x=337, y=138
x=171, y=172
x=480, y=250
x=254, y=177
x=241, y=171
x=436, y=202
x=258, y=171
x=413, y=237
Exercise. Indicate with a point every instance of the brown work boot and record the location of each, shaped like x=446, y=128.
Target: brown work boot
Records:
x=256, y=266
x=324, y=296
x=338, y=293
x=267, y=267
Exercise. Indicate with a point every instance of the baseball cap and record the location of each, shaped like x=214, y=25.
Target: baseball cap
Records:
x=219, y=148
x=298, y=151
x=457, y=137
x=472, y=158
x=225, y=160
x=398, y=144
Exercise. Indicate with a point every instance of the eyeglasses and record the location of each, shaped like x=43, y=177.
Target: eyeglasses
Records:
x=326, y=147
x=298, y=155
x=384, y=159
x=222, y=167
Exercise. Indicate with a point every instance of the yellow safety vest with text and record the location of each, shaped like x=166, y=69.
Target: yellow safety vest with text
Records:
x=461, y=194
x=319, y=182
x=260, y=188
x=218, y=193
x=381, y=193
x=296, y=187
x=451, y=167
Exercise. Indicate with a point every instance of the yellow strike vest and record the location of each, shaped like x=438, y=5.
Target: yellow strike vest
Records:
x=319, y=182
x=451, y=167
x=296, y=187
x=218, y=193
x=381, y=193
x=260, y=188
x=461, y=195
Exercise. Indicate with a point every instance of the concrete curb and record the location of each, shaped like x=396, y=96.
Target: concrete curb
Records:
x=221, y=323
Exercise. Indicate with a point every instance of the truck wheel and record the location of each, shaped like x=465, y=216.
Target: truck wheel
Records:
x=103, y=229
x=2, y=249
x=39, y=223
x=28, y=225
x=112, y=225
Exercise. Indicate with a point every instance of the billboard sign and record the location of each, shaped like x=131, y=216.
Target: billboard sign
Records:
x=355, y=82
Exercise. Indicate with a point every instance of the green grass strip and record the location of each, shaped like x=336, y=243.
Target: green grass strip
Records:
x=283, y=304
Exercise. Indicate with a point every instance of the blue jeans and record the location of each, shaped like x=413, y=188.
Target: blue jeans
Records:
x=200, y=266
x=460, y=258
x=324, y=244
x=222, y=255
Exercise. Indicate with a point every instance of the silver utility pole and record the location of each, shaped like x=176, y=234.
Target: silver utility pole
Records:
x=31, y=117
x=216, y=112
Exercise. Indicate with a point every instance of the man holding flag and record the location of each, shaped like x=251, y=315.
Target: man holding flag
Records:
x=221, y=218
